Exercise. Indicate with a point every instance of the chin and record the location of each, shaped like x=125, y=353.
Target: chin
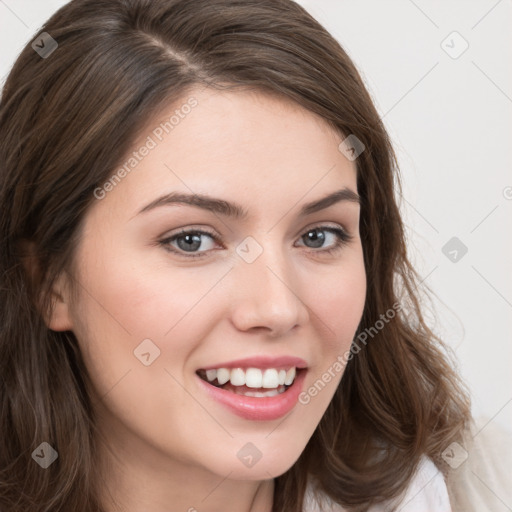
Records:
x=251, y=463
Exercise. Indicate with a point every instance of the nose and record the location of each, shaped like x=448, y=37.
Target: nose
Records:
x=266, y=295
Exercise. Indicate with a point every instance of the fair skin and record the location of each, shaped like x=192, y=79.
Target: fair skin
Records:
x=170, y=447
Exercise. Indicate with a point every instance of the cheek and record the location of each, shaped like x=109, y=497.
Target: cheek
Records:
x=144, y=299
x=127, y=301
x=338, y=302
x=338, y=308
x=124, y=314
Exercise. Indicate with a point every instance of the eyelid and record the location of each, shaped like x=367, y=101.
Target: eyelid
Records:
x=186, y=231
x=339, y=230
x=323, y=225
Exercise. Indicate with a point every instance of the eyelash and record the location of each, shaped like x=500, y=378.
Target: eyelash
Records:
x=342, y=239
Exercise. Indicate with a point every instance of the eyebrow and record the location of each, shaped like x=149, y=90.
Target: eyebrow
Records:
x=236, y=211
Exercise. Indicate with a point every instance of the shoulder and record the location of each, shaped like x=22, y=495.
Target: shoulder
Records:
x=426, y=492
x=481, y=480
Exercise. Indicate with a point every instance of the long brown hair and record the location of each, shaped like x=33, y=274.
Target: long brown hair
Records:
x=67, y=120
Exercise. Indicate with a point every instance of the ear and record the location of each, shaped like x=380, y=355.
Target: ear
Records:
x=60, y=314
x=59, y=318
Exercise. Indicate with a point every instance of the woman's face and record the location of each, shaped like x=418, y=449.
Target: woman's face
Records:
x=272, y=289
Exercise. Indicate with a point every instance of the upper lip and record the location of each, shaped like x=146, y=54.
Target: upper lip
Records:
x=260, y=362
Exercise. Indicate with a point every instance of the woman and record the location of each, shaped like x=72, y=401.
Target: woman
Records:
x=206, y=297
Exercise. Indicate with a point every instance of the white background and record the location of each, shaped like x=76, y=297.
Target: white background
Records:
x=451, y=123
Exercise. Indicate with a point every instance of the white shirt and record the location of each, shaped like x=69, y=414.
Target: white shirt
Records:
x=426, y=492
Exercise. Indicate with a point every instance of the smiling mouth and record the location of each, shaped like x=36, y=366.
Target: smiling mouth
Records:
x=253, y=382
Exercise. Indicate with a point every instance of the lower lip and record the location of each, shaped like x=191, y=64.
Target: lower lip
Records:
x=255, y=408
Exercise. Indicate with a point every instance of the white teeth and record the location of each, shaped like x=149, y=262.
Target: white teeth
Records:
x=223, y=375
x=237, y=377
x=211, y=375
x=269, y=378
x=290, y=375
x=259, y=394
x=253, y=378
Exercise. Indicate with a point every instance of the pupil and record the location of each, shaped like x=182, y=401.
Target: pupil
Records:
x=190, y=240
x=315, y=237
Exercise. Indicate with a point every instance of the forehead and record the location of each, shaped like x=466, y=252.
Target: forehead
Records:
x=234, y=143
